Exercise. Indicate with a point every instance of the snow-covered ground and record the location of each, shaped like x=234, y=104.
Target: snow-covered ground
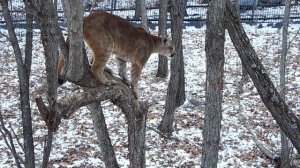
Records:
x=75, y=143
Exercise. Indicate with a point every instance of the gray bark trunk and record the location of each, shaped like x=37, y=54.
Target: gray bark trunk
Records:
x=144, y=15
x=176, y=87
x=138, y=9
x=74, y=15
x=285, y=118
x=162, y=70
x=103, y=135
x=23, y=75
x=214, y=47
x=50, y=41
x=285, y=149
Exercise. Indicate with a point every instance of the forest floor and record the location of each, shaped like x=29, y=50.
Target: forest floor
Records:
x=75, y=142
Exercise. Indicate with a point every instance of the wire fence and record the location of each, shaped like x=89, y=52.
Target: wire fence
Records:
x=254, y=11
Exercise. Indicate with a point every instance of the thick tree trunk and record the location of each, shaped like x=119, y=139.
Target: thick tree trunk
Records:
x=136, y=136
x=23, y=74
x=176, y=87
x=285, y=149
x=50, y=39
x=214, y=47
x=285, y=118
x=74, y=9
x=162, y=70
x=103, y=135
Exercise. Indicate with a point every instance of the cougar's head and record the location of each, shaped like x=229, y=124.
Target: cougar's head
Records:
x=166, y=47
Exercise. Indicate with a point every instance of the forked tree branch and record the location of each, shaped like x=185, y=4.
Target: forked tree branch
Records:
x=17, y=139
x=94, y=92
x=122, y=96
x=9, y=142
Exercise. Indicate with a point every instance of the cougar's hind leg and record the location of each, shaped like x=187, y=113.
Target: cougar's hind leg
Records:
x=107, y=69
x=136, y=71
x=122, y=70
x=99, y=62
x=61, y=75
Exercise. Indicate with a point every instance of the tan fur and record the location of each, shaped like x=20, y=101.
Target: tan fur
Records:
x=107, y=34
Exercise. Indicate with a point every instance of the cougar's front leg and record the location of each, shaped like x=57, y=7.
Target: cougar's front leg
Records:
x=136, y=71
x=122, y=70
x=98, y=65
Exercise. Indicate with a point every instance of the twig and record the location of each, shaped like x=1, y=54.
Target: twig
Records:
x=290, y=42
x=266, y=151
x=10, y=144
x=12, y=130
x=162, y=134
x=4, y=35
x=93, y=5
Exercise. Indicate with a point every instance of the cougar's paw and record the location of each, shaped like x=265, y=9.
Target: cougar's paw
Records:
x=110, y=82
x=113, y=82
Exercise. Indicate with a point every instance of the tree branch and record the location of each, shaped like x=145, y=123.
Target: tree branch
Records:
x=262, y=148
x=10, y=144
x=19, y=143
x=67, y=105
x=284, y=117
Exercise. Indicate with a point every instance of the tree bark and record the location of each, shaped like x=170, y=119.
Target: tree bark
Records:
x=50, y=40
x=103, y=135
x=23, y=75
x=136, y=135
x=162, y=70
x=8, y=139
x=214, y=47
x=74, y=15
x=285, y=149
x=144, y=15
x=138, y=9
x=284, y=117
x=29, y=37
x=176, y=87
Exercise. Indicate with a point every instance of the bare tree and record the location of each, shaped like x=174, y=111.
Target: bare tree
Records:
x=162, y=70
x=176, y=86
x=48, y=22
x=23, y=68
x=214, y=47
x=285, y=149
x=284, y=117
